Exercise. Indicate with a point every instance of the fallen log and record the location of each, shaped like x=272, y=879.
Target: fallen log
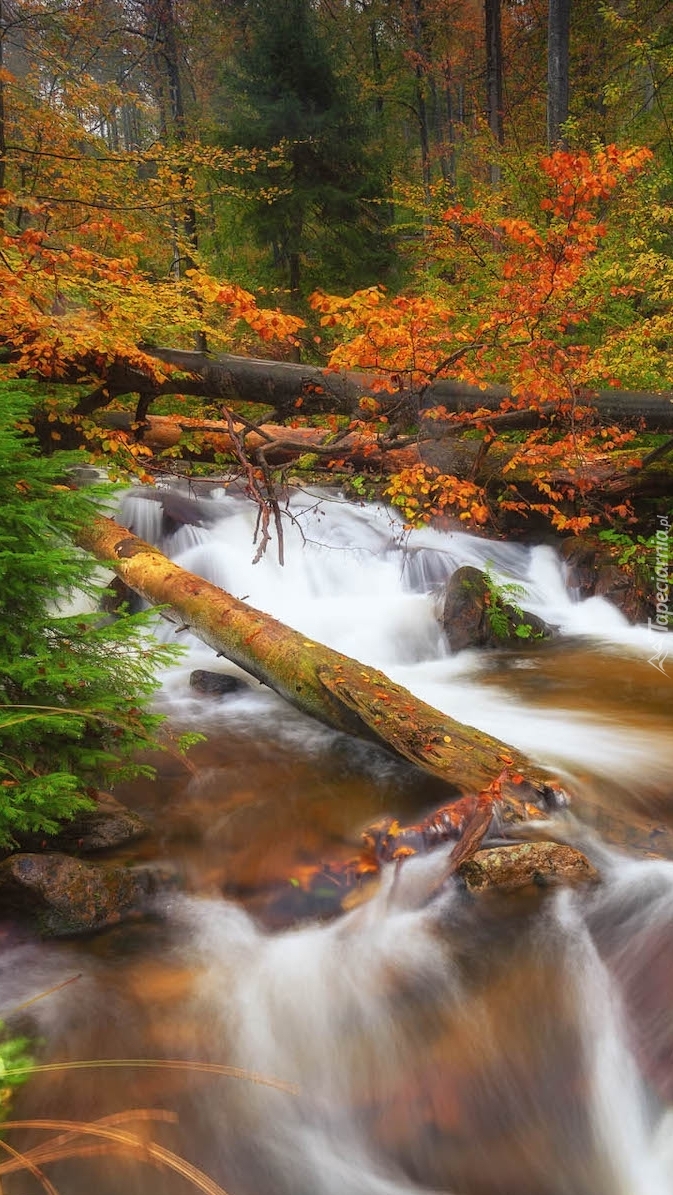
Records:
x=289, y=387
x=273, y=444
x=278, y=444
x=329, y=686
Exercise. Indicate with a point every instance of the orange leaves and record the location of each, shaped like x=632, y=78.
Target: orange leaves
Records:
x=580, y=178
x=522, y=233
x=397, y=338
x=422, y=494
x=520, y=299
x=268, y=324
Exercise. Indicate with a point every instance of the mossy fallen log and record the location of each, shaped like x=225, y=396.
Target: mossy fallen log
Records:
x=337, y=690
x=282, y=384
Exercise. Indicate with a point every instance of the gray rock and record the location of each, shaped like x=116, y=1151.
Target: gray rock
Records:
x=215, y=684
x=108, y=826
x=467, y=619
x=591, y=569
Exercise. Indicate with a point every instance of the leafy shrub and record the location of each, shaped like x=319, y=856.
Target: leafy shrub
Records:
x=74, y=688
x=13, y=1057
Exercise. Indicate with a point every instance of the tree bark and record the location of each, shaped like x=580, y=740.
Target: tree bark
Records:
x=3, y=131
x=335, y=689
x=558, y=70
x=494, y=79
x=292, y=389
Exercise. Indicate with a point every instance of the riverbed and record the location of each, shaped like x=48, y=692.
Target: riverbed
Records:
x=519, y=1043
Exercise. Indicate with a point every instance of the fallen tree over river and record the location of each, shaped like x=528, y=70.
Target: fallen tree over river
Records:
x=335, y=689
x=291, y=389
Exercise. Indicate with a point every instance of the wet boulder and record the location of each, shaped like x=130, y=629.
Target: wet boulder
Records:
x=593, y=570
x=474, y=616
x=216, y=684
x=508, y=868
x=107, y=826
x=63, y=897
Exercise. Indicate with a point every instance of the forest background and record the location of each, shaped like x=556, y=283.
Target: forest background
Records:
x=422, y=190
x=392, y=196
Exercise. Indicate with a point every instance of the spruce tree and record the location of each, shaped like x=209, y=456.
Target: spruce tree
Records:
x=324, y=217
x=74, y=687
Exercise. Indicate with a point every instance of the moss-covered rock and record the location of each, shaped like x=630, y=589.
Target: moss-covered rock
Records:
x=475, y=616
x=507, y=868
x=62, y=897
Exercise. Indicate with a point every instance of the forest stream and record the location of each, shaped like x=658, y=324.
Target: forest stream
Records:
x=511, y=1044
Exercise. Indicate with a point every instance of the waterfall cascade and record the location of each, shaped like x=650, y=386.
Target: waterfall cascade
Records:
x=473, y=1048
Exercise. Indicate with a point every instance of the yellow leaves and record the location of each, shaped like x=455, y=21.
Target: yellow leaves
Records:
x=268, y=324
x=422, y=493
x=366, y=403
x=576, y=524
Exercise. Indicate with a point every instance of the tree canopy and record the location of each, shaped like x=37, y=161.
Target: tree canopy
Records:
x=393, y=157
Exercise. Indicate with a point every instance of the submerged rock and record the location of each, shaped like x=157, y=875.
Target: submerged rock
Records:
x=215, y=684
x=63, y=897
x=472, y=619
x=507, y=868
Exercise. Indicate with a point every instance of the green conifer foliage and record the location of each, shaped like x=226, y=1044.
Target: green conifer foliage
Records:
x=326, y=218
x=74, y=688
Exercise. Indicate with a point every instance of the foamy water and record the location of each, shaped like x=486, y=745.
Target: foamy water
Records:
x=434, y=1043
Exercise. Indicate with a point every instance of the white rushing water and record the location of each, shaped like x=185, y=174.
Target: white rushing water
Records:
x=355, y=580
x=434, y=1044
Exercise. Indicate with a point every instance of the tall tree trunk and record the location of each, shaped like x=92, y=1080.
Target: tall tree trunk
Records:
x=421, y=104
x=3, y=133
x=450, y=126
x=335, y=689
x=494, y=89
x=379, y=108
x=558, y=70
x=164, y=17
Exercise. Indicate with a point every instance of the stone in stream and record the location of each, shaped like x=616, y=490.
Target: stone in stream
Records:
x=64, y=897
x=469, y=615
x=215, y=684
x=106, y=827
x=507, y=868
x=593, y=569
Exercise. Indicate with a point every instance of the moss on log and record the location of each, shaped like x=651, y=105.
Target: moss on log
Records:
x=335, y=689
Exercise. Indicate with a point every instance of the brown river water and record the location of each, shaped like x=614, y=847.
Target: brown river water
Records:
x=506, y=1045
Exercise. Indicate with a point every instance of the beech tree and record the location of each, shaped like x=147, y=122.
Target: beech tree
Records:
x=494, y=84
